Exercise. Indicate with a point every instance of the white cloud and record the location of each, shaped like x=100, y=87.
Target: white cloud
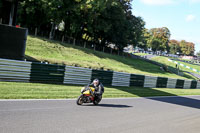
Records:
x=158, y=2
x=190, y=18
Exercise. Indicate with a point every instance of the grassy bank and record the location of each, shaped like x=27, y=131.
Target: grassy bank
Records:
x=164, y=60
x=197, y=67
x=55, y=52
x=13, y=90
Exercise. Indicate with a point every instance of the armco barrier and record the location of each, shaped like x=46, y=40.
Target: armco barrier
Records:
x=137, y=80
x=193, y=85
x=104, y=76
x=22, y=71
x=121, y=79
x=187, y=84
x=171, y=83
x=47, y=73
x=189, y=62
x=12, y=70
x=161, y=82
x=198, y=85
x=77, y=75
x=180, y=83
x=150, y=81
x=195, y=70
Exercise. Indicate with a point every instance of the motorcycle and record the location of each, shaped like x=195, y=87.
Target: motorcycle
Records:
x=87, y=97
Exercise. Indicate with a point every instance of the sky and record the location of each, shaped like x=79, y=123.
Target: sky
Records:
x=181, y=17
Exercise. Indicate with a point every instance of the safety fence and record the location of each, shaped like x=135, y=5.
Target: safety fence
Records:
x=22, y=71
x=178, y=63
x=121, y=79
x=166, y=68
x=192, y=62
x=77, y=75
x=12, y=70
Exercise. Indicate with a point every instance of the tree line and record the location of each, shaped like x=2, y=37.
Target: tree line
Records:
x=182, y=47
x=99, y=22
x=96, y=22
x=158, y=39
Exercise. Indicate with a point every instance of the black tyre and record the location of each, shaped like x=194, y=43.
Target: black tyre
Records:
x=97, y=100
x=79, y=101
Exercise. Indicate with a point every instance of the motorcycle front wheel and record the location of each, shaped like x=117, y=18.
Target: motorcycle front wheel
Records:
x=79, y=101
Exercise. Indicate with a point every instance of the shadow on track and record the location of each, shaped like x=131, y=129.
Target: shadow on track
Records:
x=150, y=92
x=109, y=105
x=114, y=105
x=179, y=100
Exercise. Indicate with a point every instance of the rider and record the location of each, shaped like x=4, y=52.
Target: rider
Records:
x=99, y=89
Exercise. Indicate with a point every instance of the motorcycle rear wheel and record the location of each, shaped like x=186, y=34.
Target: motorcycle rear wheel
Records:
x=97, y=101
x=79, y=101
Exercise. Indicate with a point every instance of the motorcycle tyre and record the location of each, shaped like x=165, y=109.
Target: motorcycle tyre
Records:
x=78, y=101
x=96, y=102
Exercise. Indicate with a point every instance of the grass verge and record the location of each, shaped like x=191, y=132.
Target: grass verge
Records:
x=16, y=90
x=164, y=60
x=41, y=49
x=197, y=67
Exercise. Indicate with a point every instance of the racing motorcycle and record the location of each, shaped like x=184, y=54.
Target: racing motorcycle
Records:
x=87, y=97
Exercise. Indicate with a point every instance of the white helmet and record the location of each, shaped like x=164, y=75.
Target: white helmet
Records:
x=95, y=82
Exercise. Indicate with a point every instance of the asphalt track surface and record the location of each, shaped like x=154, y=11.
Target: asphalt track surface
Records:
x=132, y=115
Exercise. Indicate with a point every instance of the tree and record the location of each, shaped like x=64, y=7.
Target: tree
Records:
x=183, y=47
x=190, y=50
x=198, y=53
x=100, y=22
x=34, y=13
x=1, y=5
x=158, y=39
x=187, y=48
x=174, y=47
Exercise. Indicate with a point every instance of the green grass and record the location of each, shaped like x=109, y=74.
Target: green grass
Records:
x=55, y=52
x=14, y=90
x=164, y=60
x=190, y=65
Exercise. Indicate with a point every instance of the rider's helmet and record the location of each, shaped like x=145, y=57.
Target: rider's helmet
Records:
x=96, y=82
